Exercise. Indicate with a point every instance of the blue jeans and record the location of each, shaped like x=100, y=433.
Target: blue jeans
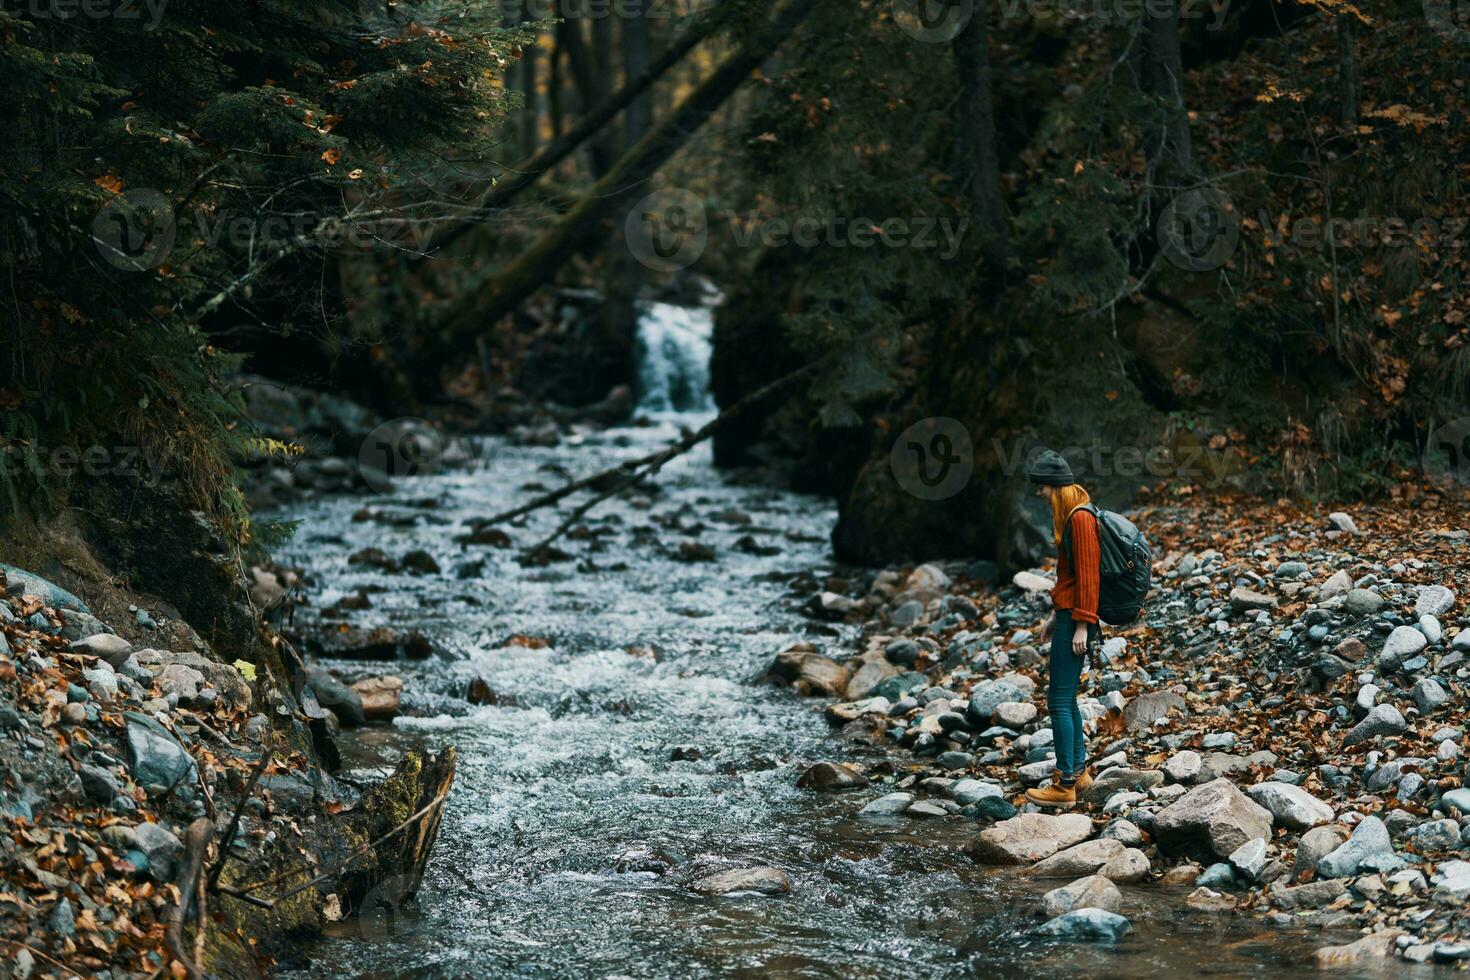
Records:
x=1061, y=694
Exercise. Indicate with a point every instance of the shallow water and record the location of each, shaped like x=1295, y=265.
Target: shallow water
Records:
x=567, y=788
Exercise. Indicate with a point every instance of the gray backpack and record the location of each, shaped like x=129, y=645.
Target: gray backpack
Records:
x=1127, y=566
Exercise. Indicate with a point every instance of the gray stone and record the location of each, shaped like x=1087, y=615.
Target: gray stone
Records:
x=1435, y=835
x=1452, y=878
x=1128, y=868
x=967, y=791
x=1291, y=569
x=1125, y=832
x=97, y=783
x=1342, y=522
x=1218, y=740
x=1211, y=820
x=160, y=847
x=1087, y=925
x=1141, y=712
x=988, y=695
x=1369, y=847
x=1455, y=801
x=62, y=920
x=1204, y=899
x=1243, y=599
x=1312, y=895
x=1015, y=714
x=108, y=646
x=831, y=776
x=1379, y=945
x=1249, y=859
x=1291, y=806
x=155, y=757
x=763, y=881
x=1028, y=837
x=1431, y=629
x=903, y=652
x=1339, y=584
x=887, y=806
x=1219, y=875
x=1429, y=696
x=1433, y=600
x=1080, y=859
x=1315, y=844
x=1362, y=602
x=1184, y=767
x=1383, y=720
x=1094, y=892
x=22, y=582
x=340, y=699
x=925, y=809
x=1402, y=643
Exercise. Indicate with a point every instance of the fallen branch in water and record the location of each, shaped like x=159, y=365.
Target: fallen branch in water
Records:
x=631, y=472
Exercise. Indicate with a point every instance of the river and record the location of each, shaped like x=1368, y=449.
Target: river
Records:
x=638, y=745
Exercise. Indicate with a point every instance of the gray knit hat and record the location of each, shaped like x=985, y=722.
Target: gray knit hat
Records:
x=1049, y=468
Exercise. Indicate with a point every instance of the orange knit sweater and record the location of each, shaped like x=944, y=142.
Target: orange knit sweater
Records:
x=1079, y=574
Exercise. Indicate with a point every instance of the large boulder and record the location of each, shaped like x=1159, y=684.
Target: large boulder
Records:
x=1369, y=848
x=1028, y=837
x=1211, y=821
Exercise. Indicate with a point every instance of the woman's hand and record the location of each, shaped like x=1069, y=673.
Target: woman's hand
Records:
x=1079, y=638
x=1047, y=627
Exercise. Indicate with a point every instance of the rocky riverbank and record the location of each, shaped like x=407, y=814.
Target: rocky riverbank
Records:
x=1280, y=736
x=168, y=810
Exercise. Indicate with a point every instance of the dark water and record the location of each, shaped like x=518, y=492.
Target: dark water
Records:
x=563, y=788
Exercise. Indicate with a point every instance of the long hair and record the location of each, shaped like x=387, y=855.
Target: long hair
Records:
x=1064, y=500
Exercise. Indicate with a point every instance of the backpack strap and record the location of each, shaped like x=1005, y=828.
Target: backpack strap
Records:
x=1067, y=527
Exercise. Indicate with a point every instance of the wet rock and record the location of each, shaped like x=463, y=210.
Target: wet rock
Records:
x=1028, y=838
x=1433, y=600
x=1184, y=874
x=420, y=562
x=1383, y=720
x=1087, y=925
x=887, y=806
x=155, y=758
x=1290, y=806
x=1313, y=895
x=809, y=671
x=160, y=847
x=1211, y=820
x=1141, y=712
x=831, y=776
x=1080, y=859
x=1094, y=891
x=1368, y=848
x=374, y=558
x=925, y=810
x=967, y=791
x=1130, y=867
x=1375, y=947
x=996, y=808
x=337, y=697
x=764, y=881
x=1219, y=875
x=379, y=697
x=1204, y=899
x=867, y=677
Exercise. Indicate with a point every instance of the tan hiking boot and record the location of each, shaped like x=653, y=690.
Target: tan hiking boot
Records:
x=1055, y=795
x=1084, y=780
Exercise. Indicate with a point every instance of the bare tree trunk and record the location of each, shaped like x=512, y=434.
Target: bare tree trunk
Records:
x=531, y=117
x=554, y=87
x=1347, y=73
x=584, y=81
x=1169, y=148
x=979, y=164
x=605, y=65
x=485, y=303
x=639, y=117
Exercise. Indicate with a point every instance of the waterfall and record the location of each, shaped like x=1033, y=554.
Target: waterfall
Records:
x=674, y=345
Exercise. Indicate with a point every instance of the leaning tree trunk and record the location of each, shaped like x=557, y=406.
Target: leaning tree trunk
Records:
x=979, y=160
x=563, y=144
x=531, y=113
x=1170, y=154
x=639, y=117
x=486, y=302
x=584, y=82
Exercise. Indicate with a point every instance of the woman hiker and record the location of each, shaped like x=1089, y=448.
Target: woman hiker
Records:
x=1072, y=626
